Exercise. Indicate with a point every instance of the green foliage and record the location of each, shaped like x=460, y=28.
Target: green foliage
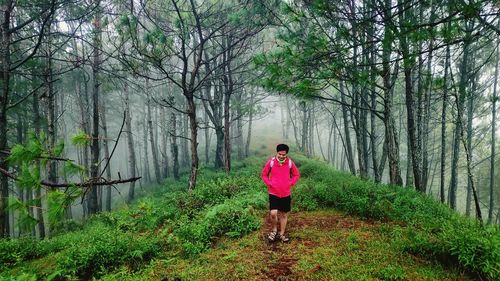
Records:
x=16, y=250
x=101, y=248
x=80, y=139
x=175, y=221
x=58, y=201
x=435, y=231
x=392, y=273
x=232, y=219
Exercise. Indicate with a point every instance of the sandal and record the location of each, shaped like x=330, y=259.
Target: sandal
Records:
x=283, y=238
x=272, y=236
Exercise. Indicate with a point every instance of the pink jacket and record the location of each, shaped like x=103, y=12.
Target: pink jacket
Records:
x=280, y=178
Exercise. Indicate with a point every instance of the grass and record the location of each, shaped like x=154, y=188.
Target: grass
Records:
x=325, y=245
x=342, y=228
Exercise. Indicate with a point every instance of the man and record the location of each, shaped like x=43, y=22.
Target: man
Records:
x=279, y=174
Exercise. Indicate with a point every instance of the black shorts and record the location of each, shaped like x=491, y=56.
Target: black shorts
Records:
x=283, y=204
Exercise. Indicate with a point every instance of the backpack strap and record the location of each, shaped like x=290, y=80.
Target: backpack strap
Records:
x=289, y=163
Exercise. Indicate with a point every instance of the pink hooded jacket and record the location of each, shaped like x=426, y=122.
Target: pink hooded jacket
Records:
x=281, y=177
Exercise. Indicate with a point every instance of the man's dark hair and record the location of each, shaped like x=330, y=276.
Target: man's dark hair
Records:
x=282, y=147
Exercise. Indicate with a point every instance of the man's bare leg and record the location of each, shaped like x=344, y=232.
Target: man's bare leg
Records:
x=274, y=220
x=283, y=221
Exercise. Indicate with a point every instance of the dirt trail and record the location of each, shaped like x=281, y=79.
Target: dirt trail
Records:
x=282, y=256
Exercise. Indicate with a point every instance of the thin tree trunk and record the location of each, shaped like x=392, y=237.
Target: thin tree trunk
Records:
x=413, y=141
x=185, y=126
x=147, y=173
x=207, y=138
x=97, y=43
x=227, y=121
x=38, y=191
x=107, y=198
x=443, y=127
x=51, y=106
x=470, y=112
x=493, y=141
x=347, y=135
x=173, y=144
x=5, y=41
x=304, y=128
x=427, y=109
x=130, y=143
x=239, y=126
x=391, y=138
x=164, y=135
x=154, y=150
x=460, y=99
x=191, y=109
x=250, y=119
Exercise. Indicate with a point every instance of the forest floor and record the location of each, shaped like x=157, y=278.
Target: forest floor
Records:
x=324, y=245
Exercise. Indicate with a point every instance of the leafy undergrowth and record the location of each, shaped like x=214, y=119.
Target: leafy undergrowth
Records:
x=325, y=245
x=342, y=228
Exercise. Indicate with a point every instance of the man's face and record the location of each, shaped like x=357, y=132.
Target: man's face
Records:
x=281, y=155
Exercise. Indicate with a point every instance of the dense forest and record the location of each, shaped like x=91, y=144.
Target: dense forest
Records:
x=102, y=99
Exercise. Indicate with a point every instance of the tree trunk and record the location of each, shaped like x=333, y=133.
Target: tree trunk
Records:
x=185, y=127
x=347, y=135
x=462, y=92
x=207, y=138
x=470, y=112
x=164, y=135
x=239, y=126
x=174, y=148
x=107, y=198
x=97, y=43
x=250, y=119
x=154, y=150
x=493, y=142
x=130, y=143
x=147, y=173
x=5, y=41
x=409, y=62
x=443, y=127
x=391, y=139
x=50, y=105
x=191, y=109
x=305, y=120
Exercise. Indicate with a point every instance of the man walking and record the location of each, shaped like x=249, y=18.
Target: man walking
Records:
x=279, y=174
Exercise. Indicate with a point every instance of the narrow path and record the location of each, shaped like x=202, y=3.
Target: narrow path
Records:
x=282, y=256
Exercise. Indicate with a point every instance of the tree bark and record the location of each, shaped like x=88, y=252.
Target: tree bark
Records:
x=462, y=92
x=391, y=139
x=95, y=147
x=164, y=134
x=347, y=135
x=443, y=127
x=414, y=148
x=5, y=41
x=250, y=119
x=107, y=198
x=174, y=148
x=154, y=150
x=470, y=113
x=493, y=141
x=147, y=172
x=130, y=143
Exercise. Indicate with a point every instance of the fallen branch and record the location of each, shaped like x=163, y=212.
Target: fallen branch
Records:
x=7, y=152
x=89, y=183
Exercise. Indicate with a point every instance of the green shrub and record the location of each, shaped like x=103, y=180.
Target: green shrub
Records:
x=233, y=218
x=18, y=250
x=101, y=248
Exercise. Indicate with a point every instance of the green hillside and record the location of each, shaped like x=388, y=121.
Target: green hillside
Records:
x=341, y=228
